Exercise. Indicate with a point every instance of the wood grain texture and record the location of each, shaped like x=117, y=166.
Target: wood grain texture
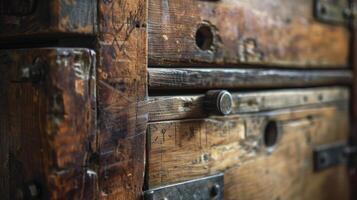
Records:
x=187, y=149
x=48, y=123
x=122, y=47
x=42, y=17
x=194, y=78
x=287, y=173
x=188, y=107
x=280, y=33
x=353, y=59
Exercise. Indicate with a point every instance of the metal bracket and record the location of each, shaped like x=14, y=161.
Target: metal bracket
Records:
x=34, y=73
x=199, y=189
x=333, y=11
x=326, y=156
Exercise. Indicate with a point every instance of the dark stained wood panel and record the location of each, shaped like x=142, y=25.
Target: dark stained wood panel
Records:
x=48, y=123
x=280, y=33
x=193, y=106
x=122, y=83
x=353, y=26
x=186, y=149
x=40, y=17
x=213, y=78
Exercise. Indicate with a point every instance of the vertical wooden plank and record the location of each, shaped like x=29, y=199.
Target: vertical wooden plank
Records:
x=353, y=60
x=122, y=53
x=47, y=132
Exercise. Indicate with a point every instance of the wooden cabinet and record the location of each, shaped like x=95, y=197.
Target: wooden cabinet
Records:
x=149, y=99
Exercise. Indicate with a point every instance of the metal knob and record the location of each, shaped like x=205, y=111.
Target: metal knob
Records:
x=218, y=102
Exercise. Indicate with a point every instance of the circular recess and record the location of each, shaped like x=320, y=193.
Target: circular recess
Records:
x=204, y=37
x=271, y=134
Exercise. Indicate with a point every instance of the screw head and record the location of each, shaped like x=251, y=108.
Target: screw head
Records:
x=215, y=190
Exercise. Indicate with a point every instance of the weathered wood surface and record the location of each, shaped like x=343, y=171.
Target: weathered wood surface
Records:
x=194, y=78
x=40, y=17
x=188, y=107
x=287, y=173
x=279, y=33
x=48, y=123
x=353, y=171
x=187, y=149
x=122, y=82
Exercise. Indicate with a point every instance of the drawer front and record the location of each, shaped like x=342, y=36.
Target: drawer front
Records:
x=31, y=17
x=249, y=31
x=163, y=108
x=264, y=153
x=48, y=115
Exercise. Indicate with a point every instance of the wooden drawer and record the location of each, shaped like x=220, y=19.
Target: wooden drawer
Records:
x=39, y=17
x=273, y=33
x=48, y=115
x=163, y=108
x=265, y=148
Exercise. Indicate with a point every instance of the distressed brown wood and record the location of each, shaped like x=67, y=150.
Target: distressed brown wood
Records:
x=122, y=83
x=193, y=106
x=186, y=149
x=49, y=132
x=284, y=174
x=279, y=33
x=48, y=123
x=40, y=17
x=353, y=63
x=194, y=78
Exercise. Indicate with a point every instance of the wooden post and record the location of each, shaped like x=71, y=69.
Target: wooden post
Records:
x=122, y=88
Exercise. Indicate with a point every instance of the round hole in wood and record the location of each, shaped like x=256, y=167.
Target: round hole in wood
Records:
x=204, y=37
x=271, y=134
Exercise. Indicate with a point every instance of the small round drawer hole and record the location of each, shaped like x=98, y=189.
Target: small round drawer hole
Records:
x=271, y=134
x=204, y=37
